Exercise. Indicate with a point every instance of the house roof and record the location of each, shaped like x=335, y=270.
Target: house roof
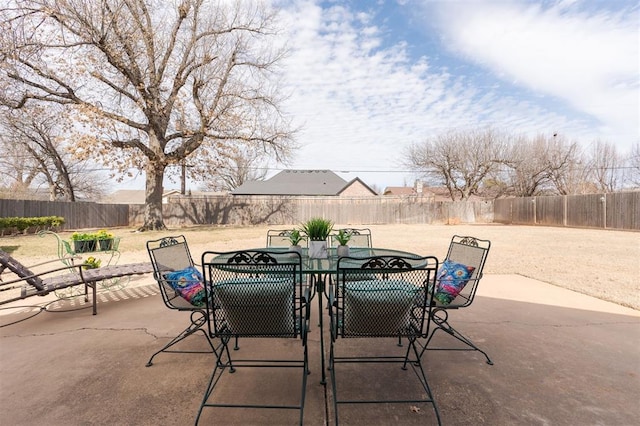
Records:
x=354, y=181
x=295, y=182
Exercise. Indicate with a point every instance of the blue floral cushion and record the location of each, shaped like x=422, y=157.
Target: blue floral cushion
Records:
x=187, y=283
x=451, y=279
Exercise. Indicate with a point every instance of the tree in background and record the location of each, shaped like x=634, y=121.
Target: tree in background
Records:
x=605, y=167
x=237, y=167
x=35, y=154
x=146, y=84
x=561, y=157
x=634, y=165
x=458, y=160
x=491, y=164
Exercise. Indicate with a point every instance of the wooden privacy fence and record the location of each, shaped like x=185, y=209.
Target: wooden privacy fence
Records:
x=619, y=210
x=278, y=210
x=77, y=215
x=615, y=211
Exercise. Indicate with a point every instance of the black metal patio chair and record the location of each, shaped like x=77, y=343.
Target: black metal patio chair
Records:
x=181, y=287
x=256, y=295
x=280, y=238
x=384, y=298
x=456, y=287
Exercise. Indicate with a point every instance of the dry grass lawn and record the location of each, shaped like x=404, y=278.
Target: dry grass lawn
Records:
x=600, y=263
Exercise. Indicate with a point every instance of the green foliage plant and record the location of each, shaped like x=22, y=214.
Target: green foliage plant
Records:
x=317, y=228
x=82, y=236
x=343, y=237
x=91, y=236
x=102, y=234
x=91, y=263
x=22, y=224
x=295, y=236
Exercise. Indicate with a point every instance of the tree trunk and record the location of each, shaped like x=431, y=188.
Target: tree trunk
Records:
x=153, y=219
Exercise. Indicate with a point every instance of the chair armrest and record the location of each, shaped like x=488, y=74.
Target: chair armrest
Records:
x=56, y=260
x=40, y=274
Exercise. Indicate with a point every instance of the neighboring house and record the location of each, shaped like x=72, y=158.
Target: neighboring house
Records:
x=306, y=182
x=399, y=191
x=125, y=196
x=435, y=193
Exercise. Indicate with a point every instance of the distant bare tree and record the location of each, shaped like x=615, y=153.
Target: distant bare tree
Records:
x=17, y=171
x=561, y=158
x=149, y=84
x=538, y=165
x=634, y=165
x=35, y=153
x=604, y=167
x=528, y=173
x=237, y=167
x=459, y=160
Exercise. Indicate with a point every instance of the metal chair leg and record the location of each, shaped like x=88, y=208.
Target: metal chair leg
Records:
x=195, y=326
x=441, y=323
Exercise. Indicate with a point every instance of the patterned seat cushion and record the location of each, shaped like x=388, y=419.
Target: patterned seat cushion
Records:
x=187, y=283
x=451, y=279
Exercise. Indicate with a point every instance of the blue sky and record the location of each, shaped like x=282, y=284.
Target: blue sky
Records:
x=368, y=78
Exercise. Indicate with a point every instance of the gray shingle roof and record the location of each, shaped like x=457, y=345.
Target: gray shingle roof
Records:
x=295, y=182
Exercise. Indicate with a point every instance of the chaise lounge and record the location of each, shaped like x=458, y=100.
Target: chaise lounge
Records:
x=42, y=283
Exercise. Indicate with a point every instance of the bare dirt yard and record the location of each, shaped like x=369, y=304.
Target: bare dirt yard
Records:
x=600, y=263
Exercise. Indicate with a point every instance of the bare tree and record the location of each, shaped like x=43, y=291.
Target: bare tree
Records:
x=536, y=165
x=605, y=166
x=634, y=165
x=237, y=167
x=564, y=167
x=152, y=83
x=528, y=166
x=17, y=170
x=459, y=160
x=34, y=144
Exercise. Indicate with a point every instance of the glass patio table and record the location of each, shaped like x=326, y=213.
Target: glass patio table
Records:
x=320, y=271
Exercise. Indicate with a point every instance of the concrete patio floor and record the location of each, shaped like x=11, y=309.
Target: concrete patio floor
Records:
x=561, y=358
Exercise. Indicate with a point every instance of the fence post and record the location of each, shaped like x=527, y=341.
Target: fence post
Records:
x=533, y=200
x=603, y=200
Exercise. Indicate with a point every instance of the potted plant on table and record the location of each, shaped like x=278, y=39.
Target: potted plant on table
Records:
x=343, y=238
x=317, y=230
x=295, y=236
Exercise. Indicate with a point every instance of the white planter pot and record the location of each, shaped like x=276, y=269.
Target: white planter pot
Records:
x=297, y=249
x=318, y=249
x=342, y=251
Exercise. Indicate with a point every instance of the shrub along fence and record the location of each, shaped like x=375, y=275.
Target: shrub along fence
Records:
x=615, y=211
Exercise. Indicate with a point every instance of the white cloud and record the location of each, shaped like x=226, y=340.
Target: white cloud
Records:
x=588, y=58
x=361, y=100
